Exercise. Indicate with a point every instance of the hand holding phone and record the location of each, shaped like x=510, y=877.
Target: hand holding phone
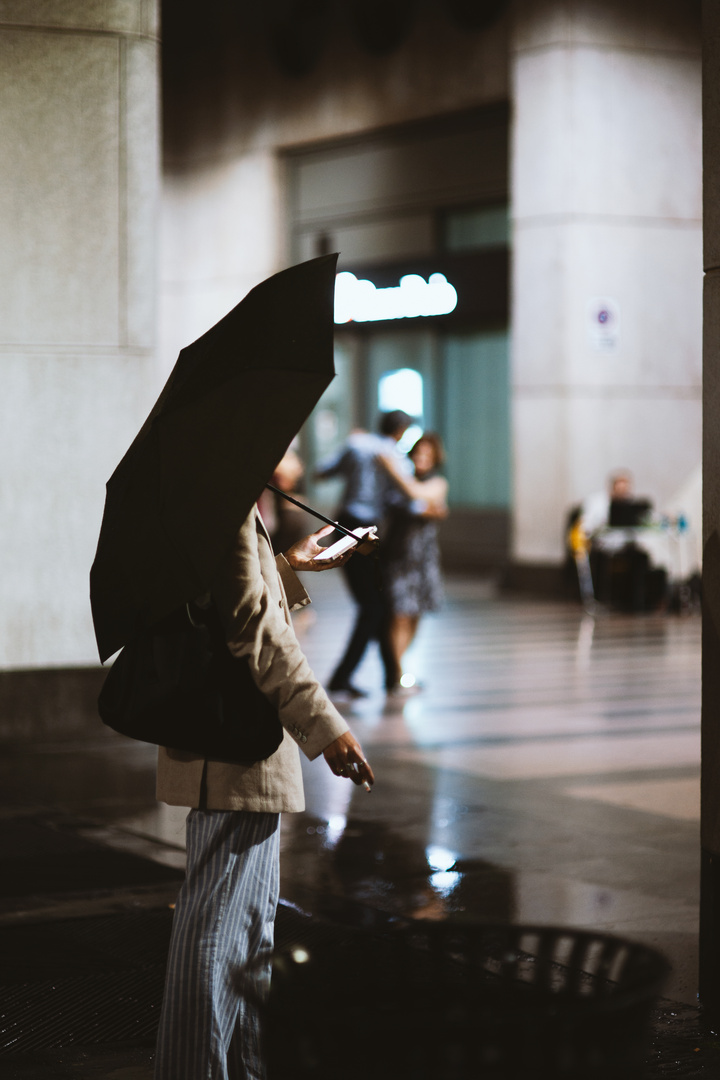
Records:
x=346, y=542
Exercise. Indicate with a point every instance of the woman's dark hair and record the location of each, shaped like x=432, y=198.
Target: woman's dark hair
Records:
x=435, y=442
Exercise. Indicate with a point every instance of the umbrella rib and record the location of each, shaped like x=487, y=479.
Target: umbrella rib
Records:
x=315, y=513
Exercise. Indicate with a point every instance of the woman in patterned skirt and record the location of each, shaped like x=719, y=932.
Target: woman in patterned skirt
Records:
x=411, y=555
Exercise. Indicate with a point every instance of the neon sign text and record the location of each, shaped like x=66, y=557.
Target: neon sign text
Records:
x=361, y=301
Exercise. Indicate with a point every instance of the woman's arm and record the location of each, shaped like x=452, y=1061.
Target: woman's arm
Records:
x=433, y=492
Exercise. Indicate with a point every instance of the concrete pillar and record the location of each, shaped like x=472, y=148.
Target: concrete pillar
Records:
x=79, y=179
x=710, y=890
x=606, y=197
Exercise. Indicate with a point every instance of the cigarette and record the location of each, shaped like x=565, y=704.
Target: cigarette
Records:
x=366, y=785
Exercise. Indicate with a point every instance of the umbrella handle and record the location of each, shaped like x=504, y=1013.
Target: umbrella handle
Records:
x=315, y=513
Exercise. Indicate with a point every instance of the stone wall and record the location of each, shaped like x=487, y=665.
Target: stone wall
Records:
x=78, y=211
x=606, y=204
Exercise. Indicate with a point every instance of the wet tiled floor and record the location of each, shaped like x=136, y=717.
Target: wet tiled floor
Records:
x=548, y=773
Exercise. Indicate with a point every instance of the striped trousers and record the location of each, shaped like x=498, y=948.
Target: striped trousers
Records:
x=223, y=919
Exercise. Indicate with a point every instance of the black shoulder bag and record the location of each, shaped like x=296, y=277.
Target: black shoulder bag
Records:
x=178, y=685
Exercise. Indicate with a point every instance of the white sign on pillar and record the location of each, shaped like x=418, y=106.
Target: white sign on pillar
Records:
x=603, y=323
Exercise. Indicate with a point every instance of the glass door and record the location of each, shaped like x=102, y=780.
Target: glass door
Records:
x=401, y=372
x=475, y=421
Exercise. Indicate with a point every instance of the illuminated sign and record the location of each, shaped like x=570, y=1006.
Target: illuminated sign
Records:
x=361, y=301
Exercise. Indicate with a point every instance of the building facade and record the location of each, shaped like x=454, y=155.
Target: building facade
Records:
x=546, y=154
x=79, y=199
x=542, y=155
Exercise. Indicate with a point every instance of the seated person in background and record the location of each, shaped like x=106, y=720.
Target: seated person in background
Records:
x=595, y=510
x=622, y=574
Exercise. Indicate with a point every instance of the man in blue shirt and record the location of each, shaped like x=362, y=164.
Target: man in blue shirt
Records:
x=369, y=490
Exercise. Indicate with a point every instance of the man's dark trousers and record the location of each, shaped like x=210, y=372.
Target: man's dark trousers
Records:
x=362, y=574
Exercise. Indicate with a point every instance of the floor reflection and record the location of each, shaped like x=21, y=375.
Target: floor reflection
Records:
x=548, y=773
x=372, y=864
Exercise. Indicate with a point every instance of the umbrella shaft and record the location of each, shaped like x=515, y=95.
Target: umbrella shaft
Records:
x=315, y=513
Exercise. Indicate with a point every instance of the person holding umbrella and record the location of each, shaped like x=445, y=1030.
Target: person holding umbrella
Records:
x=181, y=525
x=224, y=915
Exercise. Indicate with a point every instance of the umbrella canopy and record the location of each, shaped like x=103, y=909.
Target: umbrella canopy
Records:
x=232, y=404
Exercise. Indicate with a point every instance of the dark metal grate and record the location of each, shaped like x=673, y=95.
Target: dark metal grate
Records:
x=76, y=982
x=82, y=981
x=82, y=1010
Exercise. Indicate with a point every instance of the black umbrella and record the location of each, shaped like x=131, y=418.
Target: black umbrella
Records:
x=233, y=403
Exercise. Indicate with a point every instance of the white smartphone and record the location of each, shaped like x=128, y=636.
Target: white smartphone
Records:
x=344, y=544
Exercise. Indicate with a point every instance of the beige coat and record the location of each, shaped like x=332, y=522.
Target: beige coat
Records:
x=255, y=593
